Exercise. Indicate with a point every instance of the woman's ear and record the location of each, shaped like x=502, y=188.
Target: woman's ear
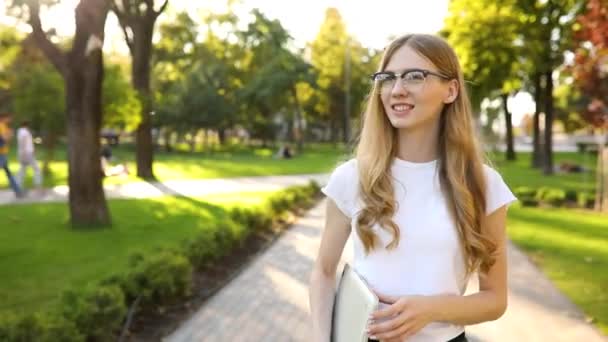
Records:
x=452, y=92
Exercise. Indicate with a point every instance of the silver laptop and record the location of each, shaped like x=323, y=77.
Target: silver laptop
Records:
x=353, y=304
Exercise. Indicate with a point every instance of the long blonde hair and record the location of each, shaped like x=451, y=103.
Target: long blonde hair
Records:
x=460, y=162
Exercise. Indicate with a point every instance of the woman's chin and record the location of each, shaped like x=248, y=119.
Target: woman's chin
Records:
x=401, y=122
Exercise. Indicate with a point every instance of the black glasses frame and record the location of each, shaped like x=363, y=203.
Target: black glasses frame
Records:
x=394, y=75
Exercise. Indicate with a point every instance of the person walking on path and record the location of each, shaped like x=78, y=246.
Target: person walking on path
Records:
x=5, y=137
x=426, y=213
x=27, y=156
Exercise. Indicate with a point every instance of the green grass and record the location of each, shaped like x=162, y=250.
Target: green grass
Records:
x=40, y=256
x=229, y=162
x=236, y=161
x=571, y=247
x=519, y=172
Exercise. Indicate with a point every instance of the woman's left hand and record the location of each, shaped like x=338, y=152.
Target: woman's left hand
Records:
x=406, y=316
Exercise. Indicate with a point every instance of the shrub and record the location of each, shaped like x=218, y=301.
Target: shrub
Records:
x=253, y=219
x=552, y=196
x=280, y=203
x=96, y=312
x=524, y=191
x=38, y=328
x=303, y=196
x=314, y=187
x=585, y=199
x=541, y=193
x=528, y=201
x=526, y=195
x=555, y=197
x=159, y=277
x=203, y=248
x=227, y=235
x=571, y=195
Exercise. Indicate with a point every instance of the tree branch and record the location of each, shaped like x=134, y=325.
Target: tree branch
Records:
x=50, y=50
x=162, y=8
x=124, y=20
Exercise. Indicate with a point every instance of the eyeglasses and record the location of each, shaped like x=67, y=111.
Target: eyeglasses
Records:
x=411, y=79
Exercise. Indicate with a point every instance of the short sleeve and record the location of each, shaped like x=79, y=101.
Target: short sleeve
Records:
x=497, y=191
x=342, y=187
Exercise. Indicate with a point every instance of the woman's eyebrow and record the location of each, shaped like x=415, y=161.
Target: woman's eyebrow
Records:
x=402, y=70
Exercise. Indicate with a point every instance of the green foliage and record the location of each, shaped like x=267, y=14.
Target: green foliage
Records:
x=38, y=328
x=552, y=196
x=203, y=248
x=228, y=235
x=9, y=50
x=585, y=199
x=255, y=219
x=121, y=106
x=97, y=312
x=526, y=195
x=281, y=202
x=158, y=277
x=542, y=192
x=491, y=64
x=555, y=197
x=330, y=51
x=39, y=96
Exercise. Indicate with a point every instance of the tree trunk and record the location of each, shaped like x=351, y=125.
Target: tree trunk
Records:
x=192, y=141
x=298, y=131
x=138, y=27
x=142, y=48
x=167, y=140
x=548, y=148
x=221, y=136
x=333, y=133
x=206, y=141
x=601, y=196
x=536, y=145
x=509, y=124
x=82, y=70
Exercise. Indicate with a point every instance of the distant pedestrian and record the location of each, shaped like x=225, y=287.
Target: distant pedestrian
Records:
x=5, y=136
x=27, y=156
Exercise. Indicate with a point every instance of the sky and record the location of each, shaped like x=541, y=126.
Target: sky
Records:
x=370, y=22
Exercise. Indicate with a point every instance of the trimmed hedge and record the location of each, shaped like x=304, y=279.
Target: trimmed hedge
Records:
x=553, y=196
x=585, y=199
x=158, y=277
x=97, y=312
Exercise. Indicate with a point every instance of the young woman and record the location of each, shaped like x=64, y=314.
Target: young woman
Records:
x=424, y=210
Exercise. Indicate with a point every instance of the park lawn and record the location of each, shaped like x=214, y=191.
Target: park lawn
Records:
x=40, y=256
x=236, y=161
x=571, y=247
x=519, y=173
x=226, y=163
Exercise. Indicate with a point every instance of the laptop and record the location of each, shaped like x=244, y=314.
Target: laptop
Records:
x=353, y=304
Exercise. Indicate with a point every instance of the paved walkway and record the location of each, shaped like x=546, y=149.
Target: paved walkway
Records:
x=179, y=187
x=268, y=301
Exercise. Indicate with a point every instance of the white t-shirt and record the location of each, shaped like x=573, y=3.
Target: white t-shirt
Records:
x=428, y=259
x=25, y=142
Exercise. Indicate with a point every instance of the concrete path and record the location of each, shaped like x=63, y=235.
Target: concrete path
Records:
x=179, y=187
x=268, y=301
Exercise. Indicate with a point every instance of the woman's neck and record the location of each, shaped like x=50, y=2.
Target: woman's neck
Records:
x=417, y=145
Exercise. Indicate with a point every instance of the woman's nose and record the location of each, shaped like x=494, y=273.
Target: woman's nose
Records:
x=398, y=89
